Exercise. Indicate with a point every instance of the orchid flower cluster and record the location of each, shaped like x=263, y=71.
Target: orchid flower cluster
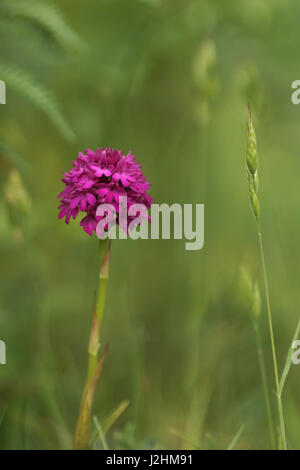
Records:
x=101, y=177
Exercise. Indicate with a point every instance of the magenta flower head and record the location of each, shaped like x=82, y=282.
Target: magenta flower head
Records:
x=102, y=177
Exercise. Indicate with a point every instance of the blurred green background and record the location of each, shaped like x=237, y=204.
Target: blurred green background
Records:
x=169, y=80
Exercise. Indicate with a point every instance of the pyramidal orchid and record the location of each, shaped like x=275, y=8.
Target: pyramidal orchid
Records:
x=102, y=177
x=97, y=178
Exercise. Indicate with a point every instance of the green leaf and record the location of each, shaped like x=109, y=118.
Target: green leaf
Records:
x=288, y=361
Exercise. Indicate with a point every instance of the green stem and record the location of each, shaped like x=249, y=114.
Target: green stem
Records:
x=104, y=258
x=279, y=402
x=82, y=432
x=263, y=374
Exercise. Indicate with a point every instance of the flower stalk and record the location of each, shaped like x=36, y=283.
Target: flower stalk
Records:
x=95, y=363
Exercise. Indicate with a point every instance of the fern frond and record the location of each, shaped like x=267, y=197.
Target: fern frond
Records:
x=46, y=16
x=22, y=81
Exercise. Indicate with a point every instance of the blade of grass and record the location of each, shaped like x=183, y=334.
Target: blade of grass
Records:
x=100, y=433
x=288, y=361
x=112, y=418
x=236, y=438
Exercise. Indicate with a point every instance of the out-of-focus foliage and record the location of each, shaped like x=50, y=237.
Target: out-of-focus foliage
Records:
x=18, y=202
x=33, y=22
x=169, y=80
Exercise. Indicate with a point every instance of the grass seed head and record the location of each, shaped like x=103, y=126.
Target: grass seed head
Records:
x=251, y=154
x=254, y=199
x=252, y=167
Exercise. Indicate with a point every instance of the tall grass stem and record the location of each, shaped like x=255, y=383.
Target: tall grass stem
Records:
x=263, y=374
x=278, y=394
